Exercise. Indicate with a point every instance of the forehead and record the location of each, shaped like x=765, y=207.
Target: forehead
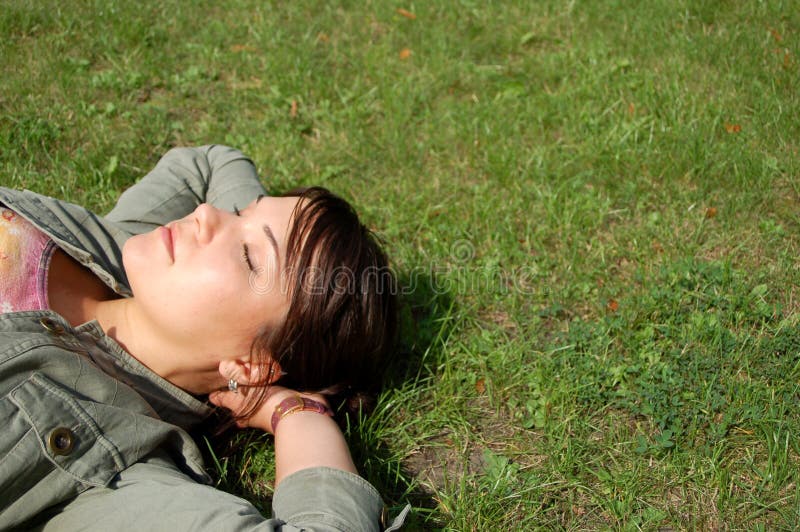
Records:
x=276, y=211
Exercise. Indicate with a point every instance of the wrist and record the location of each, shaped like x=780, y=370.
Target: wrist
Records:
x=294, y=403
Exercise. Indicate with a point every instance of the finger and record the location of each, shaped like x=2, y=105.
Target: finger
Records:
x=232, y=401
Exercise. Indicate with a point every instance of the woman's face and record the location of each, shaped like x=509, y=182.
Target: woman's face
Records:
x=213, y=278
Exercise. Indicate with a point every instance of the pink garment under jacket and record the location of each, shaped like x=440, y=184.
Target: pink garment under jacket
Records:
x=25, y=254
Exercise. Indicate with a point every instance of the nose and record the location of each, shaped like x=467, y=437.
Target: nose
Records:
x=207, y=218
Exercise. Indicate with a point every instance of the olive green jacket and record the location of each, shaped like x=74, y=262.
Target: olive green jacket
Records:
x=94, y=440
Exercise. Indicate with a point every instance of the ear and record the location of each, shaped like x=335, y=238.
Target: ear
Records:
x=244, y=372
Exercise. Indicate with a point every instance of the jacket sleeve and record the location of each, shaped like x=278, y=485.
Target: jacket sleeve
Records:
x=183, y=179
x=154, y=495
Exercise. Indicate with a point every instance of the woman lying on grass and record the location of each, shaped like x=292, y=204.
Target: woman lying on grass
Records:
x=115, y=332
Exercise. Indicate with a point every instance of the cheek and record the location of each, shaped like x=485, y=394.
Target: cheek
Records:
x=215, y=283
x=261, y=305
x=273, y=309
x=265, y=282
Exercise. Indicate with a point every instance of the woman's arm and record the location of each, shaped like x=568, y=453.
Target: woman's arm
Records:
x=154, y=495
x=183, y=179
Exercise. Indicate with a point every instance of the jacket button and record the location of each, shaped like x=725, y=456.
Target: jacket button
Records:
x=61, y=441
x=52, y=326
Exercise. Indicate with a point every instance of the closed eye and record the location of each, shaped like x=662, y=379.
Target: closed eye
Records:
x=245, y=249
x=246, y=257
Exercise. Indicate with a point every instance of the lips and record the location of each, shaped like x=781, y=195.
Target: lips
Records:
x=166, y=236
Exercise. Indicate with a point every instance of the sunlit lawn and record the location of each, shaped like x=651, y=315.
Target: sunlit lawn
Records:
x=593, y=206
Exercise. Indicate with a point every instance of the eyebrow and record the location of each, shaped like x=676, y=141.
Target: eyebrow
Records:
x=271, y=238
x=270, y=235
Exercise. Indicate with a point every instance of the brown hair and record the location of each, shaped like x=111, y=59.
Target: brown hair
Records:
x=342, y=317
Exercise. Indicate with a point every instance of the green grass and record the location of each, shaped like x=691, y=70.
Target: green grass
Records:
x=594, y=204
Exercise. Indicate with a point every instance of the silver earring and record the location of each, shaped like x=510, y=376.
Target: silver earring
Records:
x=233, y=386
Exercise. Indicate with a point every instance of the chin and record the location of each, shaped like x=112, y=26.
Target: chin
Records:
x=135, y=260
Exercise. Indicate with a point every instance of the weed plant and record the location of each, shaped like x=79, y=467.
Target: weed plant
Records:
x=592, y=206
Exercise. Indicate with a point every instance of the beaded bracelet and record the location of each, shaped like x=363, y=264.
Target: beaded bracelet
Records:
x=294, y=404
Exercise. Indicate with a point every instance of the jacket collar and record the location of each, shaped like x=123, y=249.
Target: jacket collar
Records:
x=170, y=403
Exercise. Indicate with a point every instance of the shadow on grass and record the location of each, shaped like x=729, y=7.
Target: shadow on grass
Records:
x=425, y=315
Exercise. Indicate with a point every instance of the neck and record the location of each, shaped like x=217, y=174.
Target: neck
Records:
x=73, y=291
x=182, y=365
x=79, y=296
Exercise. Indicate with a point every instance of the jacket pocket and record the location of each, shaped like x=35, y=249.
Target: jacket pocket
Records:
x=51, y=449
